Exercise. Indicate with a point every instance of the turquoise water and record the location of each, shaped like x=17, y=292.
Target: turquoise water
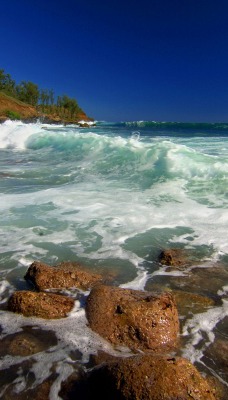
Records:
x=113, y=196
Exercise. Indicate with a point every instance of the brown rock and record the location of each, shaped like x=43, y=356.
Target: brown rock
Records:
x=42, y=305
x=62, y=276
x=191, y=302
x=219, y=389
x=29, y=341
x=186, y=301
x=84, y=125
x=173, y=257
x=146, y=377
x=75, y=386
x=217, y=352
x=133, y=318
x=102, y=357
x=202, y=280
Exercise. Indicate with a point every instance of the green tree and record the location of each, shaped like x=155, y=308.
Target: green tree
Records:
x=51, y=97
x=7, y=84
x=68, y=107
x=28, y=92
x=42, y=99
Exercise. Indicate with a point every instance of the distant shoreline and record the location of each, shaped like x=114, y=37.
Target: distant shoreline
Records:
x=13, y=109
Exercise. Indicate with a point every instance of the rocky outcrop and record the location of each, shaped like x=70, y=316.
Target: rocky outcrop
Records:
x=144, y=377
x=42, y=305
x=141, y=320
x=173, y=257
x=137, y=319
x=84, y=125
x=65, y=275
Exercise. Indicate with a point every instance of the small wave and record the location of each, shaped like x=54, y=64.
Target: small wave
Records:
x=180, y=125
x=167, y=126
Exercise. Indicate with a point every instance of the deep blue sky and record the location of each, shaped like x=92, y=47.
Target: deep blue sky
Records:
x=163, y=60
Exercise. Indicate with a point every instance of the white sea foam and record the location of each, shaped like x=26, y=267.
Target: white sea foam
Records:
x=138, y=283
x=91, y=123
x=223, y=291
x=15, y=134
x=200, y=325
x=116, y=217
x=5, y=290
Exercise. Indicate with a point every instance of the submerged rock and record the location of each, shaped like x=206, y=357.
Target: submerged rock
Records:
x=42, y=305
x=217, y=352
x=174, y=258
x=29, y=341
x=63, y=276
x=186, y=301
x=137, y=319
x=39, y=392
x=193, y=303
x=145, y=377
x=206, y=280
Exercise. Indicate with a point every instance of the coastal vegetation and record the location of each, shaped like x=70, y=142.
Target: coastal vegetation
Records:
x=41, y=103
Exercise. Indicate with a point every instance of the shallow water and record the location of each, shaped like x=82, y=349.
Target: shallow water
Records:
x=112, y=197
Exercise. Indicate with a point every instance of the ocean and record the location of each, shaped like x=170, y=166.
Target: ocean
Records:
x=112, y=196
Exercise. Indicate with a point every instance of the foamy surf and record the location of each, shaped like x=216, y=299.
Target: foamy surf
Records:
x=112, y=197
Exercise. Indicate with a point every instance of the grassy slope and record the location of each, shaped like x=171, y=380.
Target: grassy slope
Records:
x=26, y=111
x=8, y=103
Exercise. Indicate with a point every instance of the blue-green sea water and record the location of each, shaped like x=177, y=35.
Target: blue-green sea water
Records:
x=112, y=196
